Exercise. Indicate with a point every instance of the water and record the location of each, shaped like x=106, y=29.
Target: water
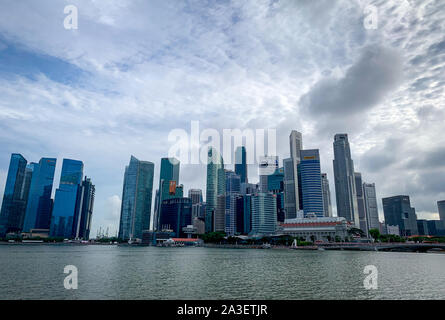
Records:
x=122, y=272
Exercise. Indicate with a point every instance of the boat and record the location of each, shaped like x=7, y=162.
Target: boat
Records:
x=266, y=246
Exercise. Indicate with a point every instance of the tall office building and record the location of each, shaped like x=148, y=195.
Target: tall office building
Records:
x=14, y=198
x=311, y=188
x=268, y=165
x=63, y=221
x=215, y=186
x=176, y=214
x=241, y=164
x=264, y=214
x=233, y=192
x=275, y=181
x=84, y=209
x=219, y=216
x=168, y=182
x=371, y=208
x=345, y=191
x=327, y=205
x=40, y=204
x=289, y=189
x=136, y=199
x=441, y=208
x=361, y=202
x=195, y=195
x=296, y=144
x=398, y=212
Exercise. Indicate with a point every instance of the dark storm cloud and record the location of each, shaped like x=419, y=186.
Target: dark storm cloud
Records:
x=365, y=83
x=382, y=156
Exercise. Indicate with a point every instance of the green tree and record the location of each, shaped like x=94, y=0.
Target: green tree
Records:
x=375, y=233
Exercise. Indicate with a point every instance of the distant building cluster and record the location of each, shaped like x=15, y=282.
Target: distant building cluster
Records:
x=290, y=200
x=28, y=209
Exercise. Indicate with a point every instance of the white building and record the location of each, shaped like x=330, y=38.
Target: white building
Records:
x=313, y=229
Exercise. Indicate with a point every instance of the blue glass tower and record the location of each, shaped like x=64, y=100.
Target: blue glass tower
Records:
x=14, y=198
x=311, y=187
x=64, y=213
x=241, y=164
x=38, y=210
x=176, y=214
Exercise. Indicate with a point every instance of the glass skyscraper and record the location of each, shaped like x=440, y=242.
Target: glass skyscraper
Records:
x=136, y=199
x=215, y=186
x=398, y=212
x=361, y=202
x=241, y=164
x=84, y=209
x=15, y=195
x=63, y=221
x=372, y=211
x=40, y=204
x=233, y=191
x=264, y=214
x=176, y=214
x=289, y=189
x=345, y=191
x=327, y=206
x=311, y=187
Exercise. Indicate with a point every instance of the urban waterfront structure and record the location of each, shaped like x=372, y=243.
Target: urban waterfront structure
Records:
x=296, y=144
x=168, y=182
x=327, y=205
x=345, y=190
x=264, y=214
x=311, y=185
x=316, y=229
x=233, y=192
x=267, y=166
x=63, y=223
x=441, y=209
x=361, y=202
x=40, y=204
x=215, y=187
x=136, y=199
x=14, y=198
x=241, y=164
x=176, y=215
x=398, y=212
x=371, y=208
x=289, y=189
x=84, y=209
x=196, y=196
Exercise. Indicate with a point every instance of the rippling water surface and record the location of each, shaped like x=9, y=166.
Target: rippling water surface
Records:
x=122, y=272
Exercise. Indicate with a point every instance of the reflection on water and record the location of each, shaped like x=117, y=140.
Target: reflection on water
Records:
x=112, y=272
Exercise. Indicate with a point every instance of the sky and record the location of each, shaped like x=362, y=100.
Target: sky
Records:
x=133, y=71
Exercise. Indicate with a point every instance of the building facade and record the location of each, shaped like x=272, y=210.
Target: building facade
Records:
x=327, y=205
x=296, y=145
x=215, y=186
x=316, y=229
x=241, y=164
x=85, y=205
x=289, y=189
x=311, y=186
x=136, y=199
x=361, y=203
x=345, y=191
x=176, y=215
x=398, y=212
x=264, y=214
x=371, y=208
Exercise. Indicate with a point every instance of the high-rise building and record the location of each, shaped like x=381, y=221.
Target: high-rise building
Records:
x=361, y=202
x=136, y=199
x=441, y=208
x=14, y=199
x=63, y=222
x=371, y=208
x=296, y=144
x=241, y=164
x=233, y=192
x=40, y=204
x=168, y=182
x=311, y=188
x=264, y=214
x=84, y=210
x=195, y=195
x=398, y=212
x=215, y=186
x=422, y=227
x=275, y=181
x=345, y=191
x=289, y=189
x=327, y=205
x=219, y=220
x=268, y=165
x=176, y=214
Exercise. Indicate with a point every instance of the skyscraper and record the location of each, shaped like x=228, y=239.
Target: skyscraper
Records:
x=267, y=166
x=345, y=192
x=84, y=210
x=264, y=214
x=176, y=214
x=40, y=204
x=296, y=144
x=168, y=182
x=14, y=198
x=196, y=196
x=311, y=188
x=361, y=202
x=398, y=212
x=215, y=186
x=327, y=206
x=289, y=189
x=233, y=192
x=241, y=163
x=441, y=208
x=136, y=199
x=371, y=208
x=63, y=221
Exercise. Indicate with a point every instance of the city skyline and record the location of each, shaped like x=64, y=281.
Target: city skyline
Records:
x=78, y=95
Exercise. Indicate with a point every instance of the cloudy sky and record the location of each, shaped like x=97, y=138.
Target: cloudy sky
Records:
x=135, y=70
